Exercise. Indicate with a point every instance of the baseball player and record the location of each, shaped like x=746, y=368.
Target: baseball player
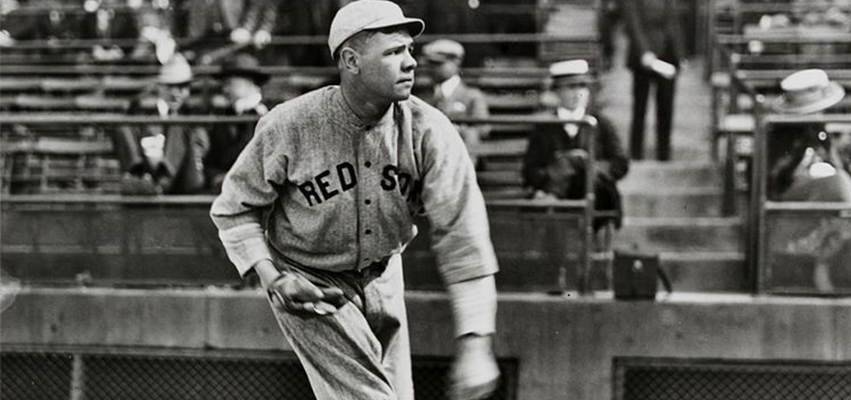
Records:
x=321, y=204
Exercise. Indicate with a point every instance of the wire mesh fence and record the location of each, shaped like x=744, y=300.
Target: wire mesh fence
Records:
x=683, y=379
x=164, y=375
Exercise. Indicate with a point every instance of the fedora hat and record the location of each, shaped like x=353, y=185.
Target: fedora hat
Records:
x=808, y=91
x=175, y=72
x=570, y=72
x=244, y=64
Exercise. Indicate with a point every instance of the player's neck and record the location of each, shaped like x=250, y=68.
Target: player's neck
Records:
x=367, y=110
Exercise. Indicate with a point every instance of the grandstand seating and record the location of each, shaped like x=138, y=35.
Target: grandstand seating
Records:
x=553, y=255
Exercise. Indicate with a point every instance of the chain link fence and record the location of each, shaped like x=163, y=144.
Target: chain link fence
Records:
x=170, y=375
x=684, y=379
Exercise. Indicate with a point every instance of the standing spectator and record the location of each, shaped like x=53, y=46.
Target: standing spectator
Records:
x=157, y=159
x=555, y=161
x=243, y=80
x=655, y=50
x=321, y=205
x=451, y=95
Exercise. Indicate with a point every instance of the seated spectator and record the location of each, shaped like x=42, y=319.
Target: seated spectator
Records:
x=554, y=165
x=159, y=159
x=242, y=22
x=450, y=94
x=243, y=81
x=804, y=165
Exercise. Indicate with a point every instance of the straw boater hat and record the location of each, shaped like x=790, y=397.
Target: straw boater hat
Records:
x=808, y=91
x=244, y=64
x=443, y=50
x=175, y=72
x=570, y=71
x=365, y=15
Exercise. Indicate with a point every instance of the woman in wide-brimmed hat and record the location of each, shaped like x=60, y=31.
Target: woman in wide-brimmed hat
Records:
x=804, y=165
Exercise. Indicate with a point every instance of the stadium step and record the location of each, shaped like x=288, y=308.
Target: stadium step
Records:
x=675, y=202
x=672, y=189
x=681, y=235
x=654, y=175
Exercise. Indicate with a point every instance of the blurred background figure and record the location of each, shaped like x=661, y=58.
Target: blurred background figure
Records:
x=242, y=22
x=554, y=164
x=242, y=85
x=656, y=46
x=607, y=24
x=158, y=159
x=450, y=95
x=804, y=164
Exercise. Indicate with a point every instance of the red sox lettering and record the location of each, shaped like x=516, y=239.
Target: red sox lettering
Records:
x=327, y=184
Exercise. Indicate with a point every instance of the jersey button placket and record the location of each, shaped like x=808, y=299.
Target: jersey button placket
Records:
x=366, y=191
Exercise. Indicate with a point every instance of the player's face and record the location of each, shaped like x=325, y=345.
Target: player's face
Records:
x=387, y=65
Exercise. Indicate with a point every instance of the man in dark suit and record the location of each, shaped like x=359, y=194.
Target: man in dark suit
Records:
x=555, y=161
x=450, y=95
x=655, y=50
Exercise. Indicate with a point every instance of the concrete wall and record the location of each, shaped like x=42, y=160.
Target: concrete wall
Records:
x=564, y=344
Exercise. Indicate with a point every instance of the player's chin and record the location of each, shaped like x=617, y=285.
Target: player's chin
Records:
x=402, y=92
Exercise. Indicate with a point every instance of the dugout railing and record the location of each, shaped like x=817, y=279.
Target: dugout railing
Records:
x=101, y=238
x=798, y=247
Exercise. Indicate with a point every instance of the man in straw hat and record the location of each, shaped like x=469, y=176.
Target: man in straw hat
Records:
x=243, y=80
x=157, y=159
x=450, y=94
x=554, y=165
x=321, y=204
x=804, y=165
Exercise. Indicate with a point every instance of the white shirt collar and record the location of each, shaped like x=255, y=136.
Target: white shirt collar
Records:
x=571, y=129
x=448, y=86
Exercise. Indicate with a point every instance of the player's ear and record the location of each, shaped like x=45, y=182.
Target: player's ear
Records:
x=350, y=60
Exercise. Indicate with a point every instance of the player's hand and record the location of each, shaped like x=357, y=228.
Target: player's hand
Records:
x=474, y=373
x=295, y=294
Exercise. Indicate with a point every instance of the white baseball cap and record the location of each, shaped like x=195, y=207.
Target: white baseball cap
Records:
x=363, y=15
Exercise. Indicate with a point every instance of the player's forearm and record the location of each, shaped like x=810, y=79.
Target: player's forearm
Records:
x=245, y=246
x=474, y=306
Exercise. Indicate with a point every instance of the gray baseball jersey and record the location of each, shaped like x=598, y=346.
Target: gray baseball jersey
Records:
x=341, y=194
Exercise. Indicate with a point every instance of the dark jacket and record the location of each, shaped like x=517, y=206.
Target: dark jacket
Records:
x=226, y=143
x=550, y=142
x=653, y=25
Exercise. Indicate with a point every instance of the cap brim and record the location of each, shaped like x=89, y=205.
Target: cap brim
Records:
x=415, y=26
x=834, y=94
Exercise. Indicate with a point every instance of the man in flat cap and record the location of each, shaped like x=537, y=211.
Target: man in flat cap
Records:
x=555, y=161
x=321, y=204
x=450, y=95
